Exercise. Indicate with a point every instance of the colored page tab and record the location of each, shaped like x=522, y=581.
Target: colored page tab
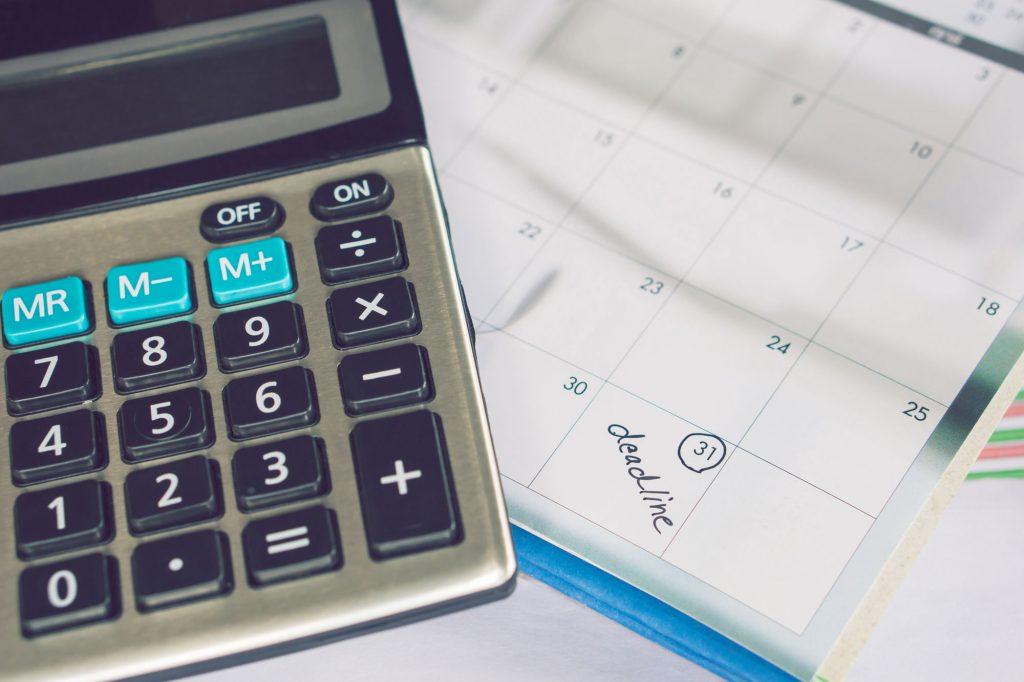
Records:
x=49, y=310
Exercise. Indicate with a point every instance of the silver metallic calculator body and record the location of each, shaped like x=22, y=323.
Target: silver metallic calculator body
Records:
x=241, y=406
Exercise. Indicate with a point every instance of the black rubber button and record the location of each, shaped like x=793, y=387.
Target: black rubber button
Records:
x=181, y=569
x=166, y=424
x=404, y=484
x=271, y=403
x=291, y=546
x=68, y=593
x=359, y=249
x=383, y=379
x=159, y=356
x=280, y=472
x=373, y=312
x=262, y=336
x=56, y=446
x=351, y=197
x=66, y=517
x=174, y=494
x=240, y=219
x=51, y=377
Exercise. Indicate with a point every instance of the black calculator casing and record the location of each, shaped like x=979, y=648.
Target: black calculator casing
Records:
x=253, y=610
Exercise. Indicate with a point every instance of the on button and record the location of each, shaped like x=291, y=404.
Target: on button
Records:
x=351, y=196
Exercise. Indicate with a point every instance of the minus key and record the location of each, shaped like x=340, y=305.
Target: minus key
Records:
x=384, y=379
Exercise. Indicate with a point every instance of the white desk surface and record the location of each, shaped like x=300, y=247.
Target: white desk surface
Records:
x=959, y=615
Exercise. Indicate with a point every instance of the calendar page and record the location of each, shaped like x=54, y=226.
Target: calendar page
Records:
x=744, y=276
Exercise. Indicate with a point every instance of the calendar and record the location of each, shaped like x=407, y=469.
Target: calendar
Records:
x=745, y=275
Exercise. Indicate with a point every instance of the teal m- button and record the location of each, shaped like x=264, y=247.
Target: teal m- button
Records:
x=45, y=311
x=249, y=271
x=146, y=291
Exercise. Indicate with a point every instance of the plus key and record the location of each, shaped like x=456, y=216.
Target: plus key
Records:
x=404, y=484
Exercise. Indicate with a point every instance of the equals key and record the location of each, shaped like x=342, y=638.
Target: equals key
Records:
x=384, y=379
x=360, y=249
x=291, y=546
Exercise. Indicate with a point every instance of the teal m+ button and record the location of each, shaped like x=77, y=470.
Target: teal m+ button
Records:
x=50, y=310
x=146, y=291
x=249, y=271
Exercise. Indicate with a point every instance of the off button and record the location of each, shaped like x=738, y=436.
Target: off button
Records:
x=351, y=196
x=240, y=219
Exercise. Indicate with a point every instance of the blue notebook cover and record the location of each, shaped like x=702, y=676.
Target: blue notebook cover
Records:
x=640, y=612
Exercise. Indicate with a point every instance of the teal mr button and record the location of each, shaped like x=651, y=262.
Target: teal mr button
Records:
x=249, y=271
x=45, y=311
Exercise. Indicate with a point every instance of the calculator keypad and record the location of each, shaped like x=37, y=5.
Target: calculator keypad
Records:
x=208, y=410
x=165, y=424
x=56, y=446
x=181, y=569
x=51, y=377
x=158, y=356
x=271, y=403
x=68, y=593
x=175, y=494
x=373, y=312
x=62, y=518
x=262, y=336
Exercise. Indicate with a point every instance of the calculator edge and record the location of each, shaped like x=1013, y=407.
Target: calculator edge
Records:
x=497, y=581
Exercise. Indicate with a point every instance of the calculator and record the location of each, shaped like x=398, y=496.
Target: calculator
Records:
x=241, y=410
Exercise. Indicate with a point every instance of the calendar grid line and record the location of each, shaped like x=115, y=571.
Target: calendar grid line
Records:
x=512, y=80
x=583, y=293
x=781, y=327
x=628, y=8
x=607, y=380
x=908, y=203
x=1019, y=172
x=774, y=195
x=750, y=184
x=627, y=134
x=963, y=128
x=810, y=90
x=661, y=556
x=764, y=170
x=651, y=106
x=516, y=82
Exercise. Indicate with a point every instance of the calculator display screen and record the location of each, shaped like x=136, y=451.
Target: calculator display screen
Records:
x=188, y=91
x=173, y=87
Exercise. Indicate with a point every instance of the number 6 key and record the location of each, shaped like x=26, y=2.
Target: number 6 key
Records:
x=271, y=403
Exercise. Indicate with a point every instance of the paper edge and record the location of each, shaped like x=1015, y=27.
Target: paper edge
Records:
x=841, y=657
